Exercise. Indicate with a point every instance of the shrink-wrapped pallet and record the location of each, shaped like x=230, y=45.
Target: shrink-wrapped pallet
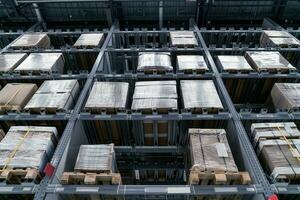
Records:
x=183, y=39
x=272, y=38
x=89, y=40
x=233, y=64
x=9, y=61
x=32, y=40
x=14, y=96
x=271, y=61
x=96, y=158
x=107, y=96
x=191, y=63
x=28, y=147
x=37, y=63
x=286, y=96
x=154, y=61
x=200, y=96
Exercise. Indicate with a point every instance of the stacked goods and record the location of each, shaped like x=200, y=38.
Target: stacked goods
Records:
x=2, y=134
x=203, y=99
x=183, y=39
x=191, y=63
x=26, y=147
x=286, y=96
x=95, y=164
x=211, y=159
x=53, y=96
x=234, y=64
x=9, y=61
x=32, y=40
x=277, y=146
x=272, y=38
x=154, y=62
x=37, y=63
x=90, y=40
x=268, y=61
x=14, y=96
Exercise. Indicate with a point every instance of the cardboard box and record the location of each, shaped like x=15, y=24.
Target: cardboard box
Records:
x=286, y=96
x=191, y=62
x=32, y=40
x=154, y=61
x=183, y=39
x=233, y=63
x=89, y=40
x=9, y=61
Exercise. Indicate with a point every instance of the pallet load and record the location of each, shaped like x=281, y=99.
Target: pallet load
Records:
x=95, y=164
x=211, y=160
x=234, y=64
x=286, y=96
x=183, y=39
x=89, y=40
x=277, y=146
x=268, y=61
x=154, y=62
x=9, y=61
x=24, y=152
x=272, y=38
x=191, y=64
x=204, y=98
x=32, y=40
x=14, y=96
x=42, y=63
x=54, y=96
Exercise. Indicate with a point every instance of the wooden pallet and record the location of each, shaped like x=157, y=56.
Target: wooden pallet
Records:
x=276, y=70
x=238, y=71
x=17, y=176
x=108, y=111
x=88, y=178
x=155, y=71
x=155, y=110
x=204, y=110
x=193, y=71
x=42, y=111
x=219, y=178
x=10, y=108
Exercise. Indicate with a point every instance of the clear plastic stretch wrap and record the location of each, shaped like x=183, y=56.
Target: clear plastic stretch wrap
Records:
x=273, y=38
x=286, y=95
x=108, y=95
x=183, y=39
x=233, y=63
x=9, y=61
x=210, y=151
x=268, y=60
x=33, y=147
x=191, y=62
x=96, y=158
x=16, y=95
x=42, y=62
x=200, y=94
x=155, y=95
x=32, y=40
x=89, y=40
x=154, y=61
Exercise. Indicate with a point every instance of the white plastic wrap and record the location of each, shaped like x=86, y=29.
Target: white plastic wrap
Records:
x=9, y=61
x=89, y=40
x=191, y=62
x=183, y=39
x=233, y=63
x=108, y=95
x=158, y=61
x=272, y=38
x=268, y=60
x=30, y=40
x=286, y=95
x=42, y=62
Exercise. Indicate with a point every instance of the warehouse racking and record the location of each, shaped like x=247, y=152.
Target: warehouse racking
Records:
x=119, y=51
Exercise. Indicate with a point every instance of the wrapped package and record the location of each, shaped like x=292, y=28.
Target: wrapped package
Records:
x=210, y=151
x=268, y=61
x=154, y=61
x=233, y=63
x=191, y=63
x=28, y=147
x=149, y=95
x=107, y=96
x=9, y=61
x=286, y=96
x=89, y=40
x=42, y=63
x=183, y=39
x=272, y=38
x=32, y=40
x=14, y=96
x=96, y=158
x=203, y=97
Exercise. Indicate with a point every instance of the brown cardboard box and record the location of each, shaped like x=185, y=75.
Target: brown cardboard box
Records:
x=286, y=95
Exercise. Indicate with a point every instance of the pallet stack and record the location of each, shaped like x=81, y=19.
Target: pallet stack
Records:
x=9, y=61
x=211, y=160
x=95, y=164
x=183, y=39
x=272, y=38
x=191, y=64
x=157, y=62
x=286, y=96
x=277, y=146
x=233, y=64
x=32, y=40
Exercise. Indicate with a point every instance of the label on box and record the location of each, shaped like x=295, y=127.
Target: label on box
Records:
x=221, y=149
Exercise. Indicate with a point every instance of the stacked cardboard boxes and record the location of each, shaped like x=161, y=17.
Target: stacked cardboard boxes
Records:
x=9, y=61
x=154, y=62
x=272, y=38
x=286, y=96
x=233, y=64
x=89, y=40
x=183, y=39
x=191, y=63
x=32, y=40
